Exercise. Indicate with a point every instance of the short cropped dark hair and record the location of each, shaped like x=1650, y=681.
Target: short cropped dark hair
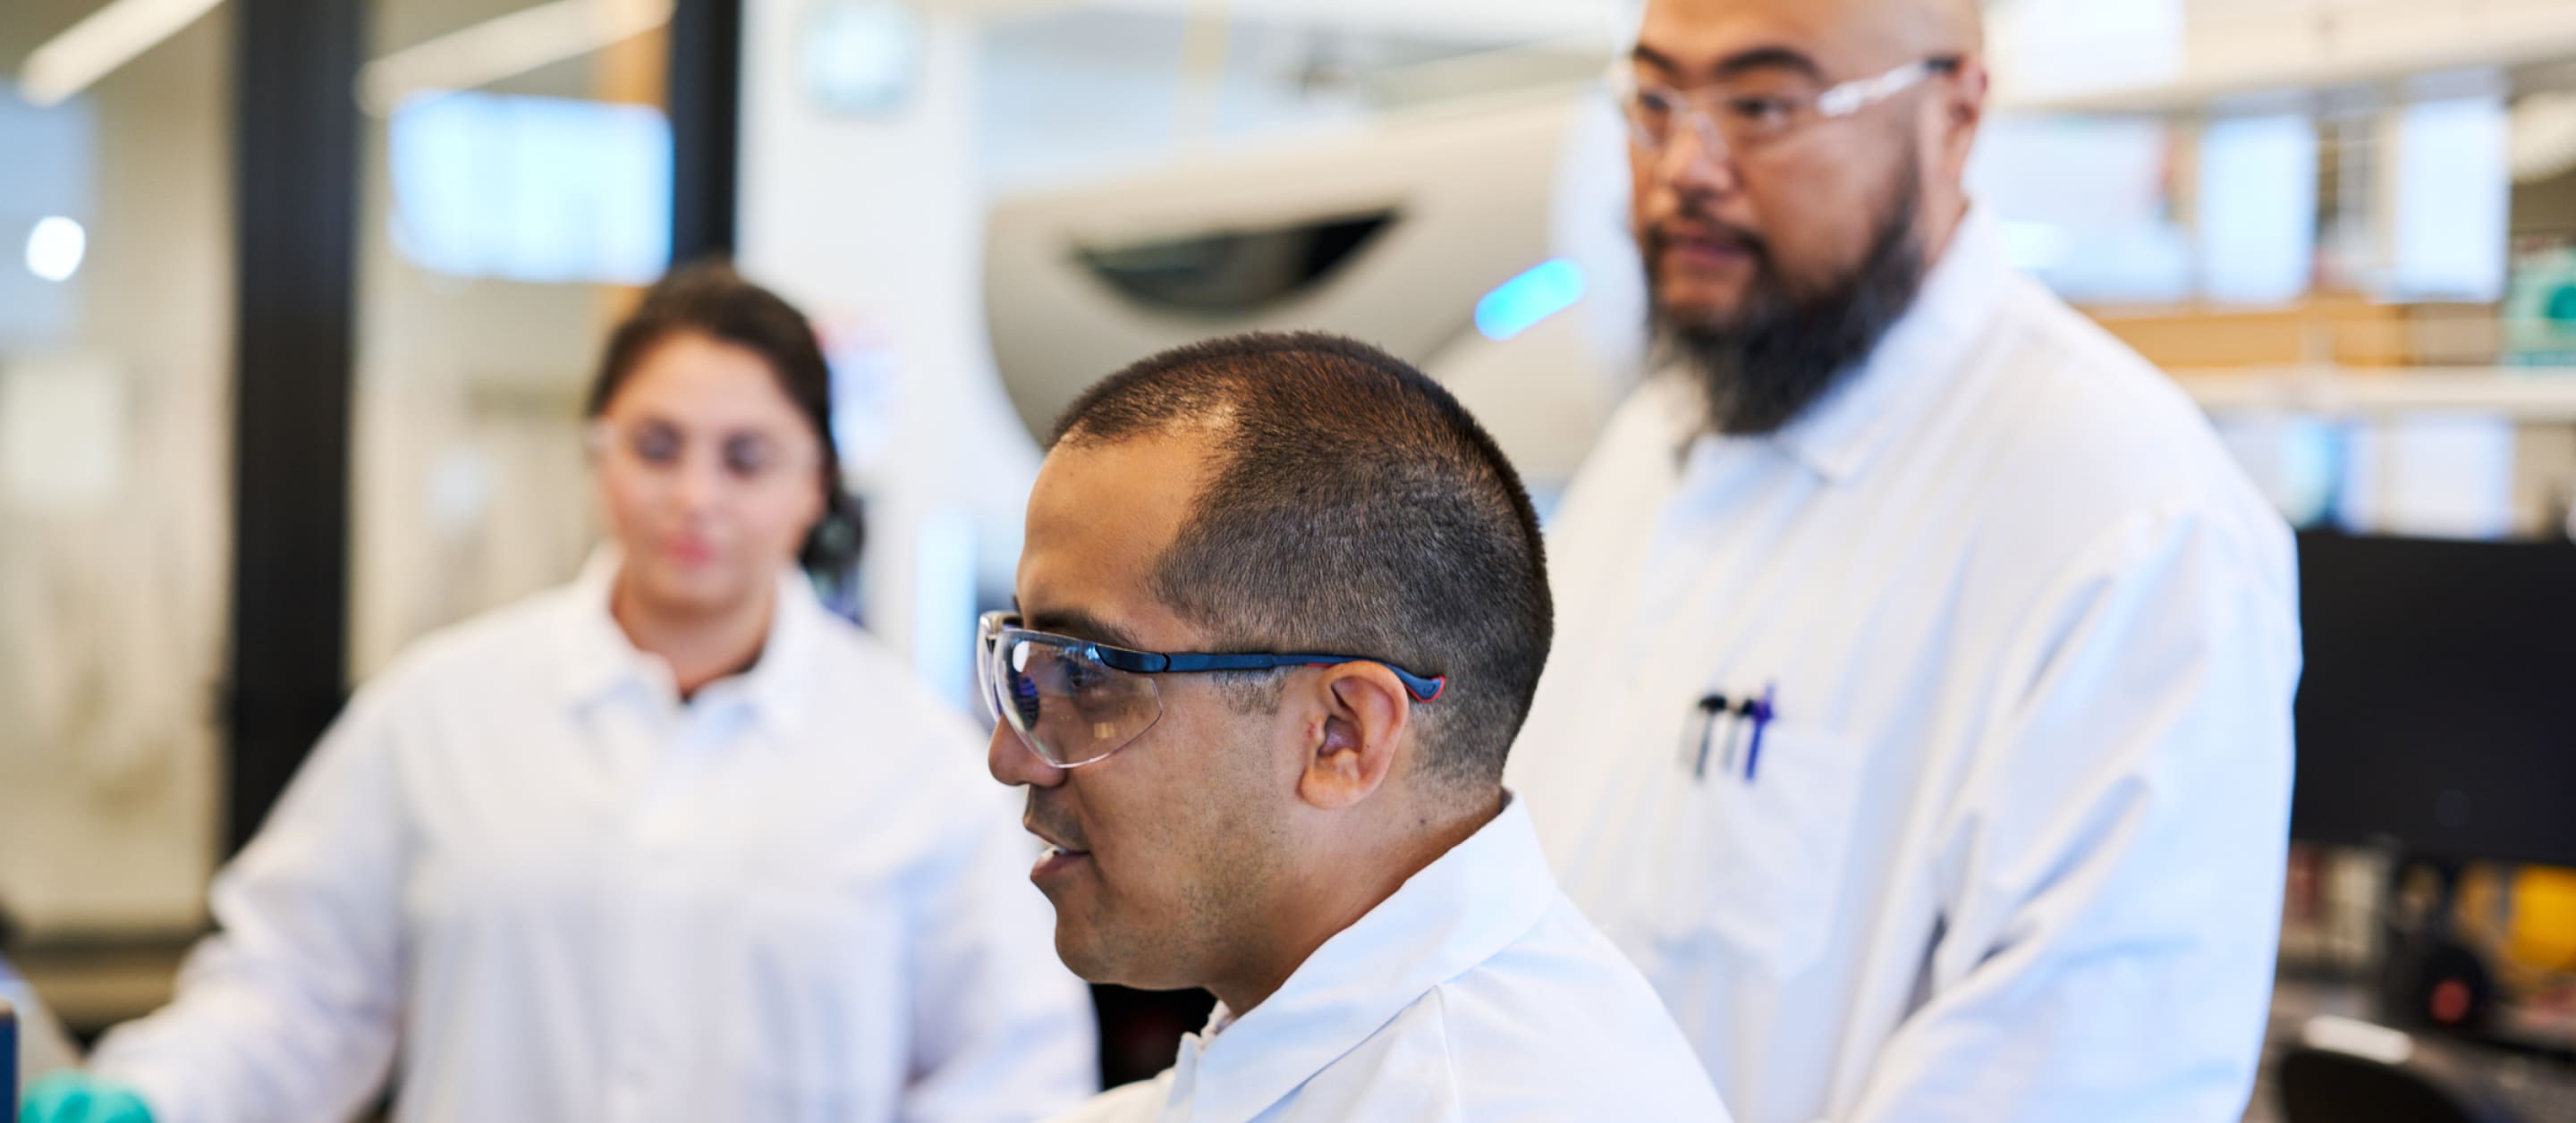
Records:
x=1355, y=508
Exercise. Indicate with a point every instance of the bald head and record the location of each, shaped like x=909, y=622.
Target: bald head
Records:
x=1850, y=36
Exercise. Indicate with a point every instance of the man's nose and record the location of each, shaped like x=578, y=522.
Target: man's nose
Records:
x=1012, y=763
x=1695, y=159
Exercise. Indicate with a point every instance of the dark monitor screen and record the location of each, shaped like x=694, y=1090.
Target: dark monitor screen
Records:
x=2438, y=705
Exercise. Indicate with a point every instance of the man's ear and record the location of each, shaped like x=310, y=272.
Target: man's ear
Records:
x=1366, y=715
x=1963, y=107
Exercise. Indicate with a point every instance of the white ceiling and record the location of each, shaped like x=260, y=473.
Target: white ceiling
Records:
x=2231, y=46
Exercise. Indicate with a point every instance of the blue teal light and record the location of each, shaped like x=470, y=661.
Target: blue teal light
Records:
x=1517, y=305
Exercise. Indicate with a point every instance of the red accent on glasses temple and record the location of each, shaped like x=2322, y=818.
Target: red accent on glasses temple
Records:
x=1439, y=685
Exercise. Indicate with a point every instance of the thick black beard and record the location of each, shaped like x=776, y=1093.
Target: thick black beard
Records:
x=1784, y=352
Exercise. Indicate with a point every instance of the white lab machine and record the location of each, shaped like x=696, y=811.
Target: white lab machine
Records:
x=1487, y=244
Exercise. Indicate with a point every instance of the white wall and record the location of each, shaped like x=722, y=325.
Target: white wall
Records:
x=873, y=225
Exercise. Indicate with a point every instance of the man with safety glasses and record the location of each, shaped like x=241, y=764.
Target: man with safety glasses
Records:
x=1282, y=606
x=1919, y=718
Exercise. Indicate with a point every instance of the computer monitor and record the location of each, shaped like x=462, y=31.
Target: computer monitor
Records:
x=2437, y=710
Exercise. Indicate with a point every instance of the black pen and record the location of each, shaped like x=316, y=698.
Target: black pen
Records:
x=1710, y=708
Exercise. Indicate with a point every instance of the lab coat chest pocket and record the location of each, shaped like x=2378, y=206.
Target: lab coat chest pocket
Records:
x=1757, y=862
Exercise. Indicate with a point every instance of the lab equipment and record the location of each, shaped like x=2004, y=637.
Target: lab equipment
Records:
x=1487, y=245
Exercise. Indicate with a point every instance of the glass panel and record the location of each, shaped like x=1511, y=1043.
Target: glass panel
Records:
x=2087, y=204
x=2257, y=234
x=2452, y=200
x=517, y=190
x=116, y=307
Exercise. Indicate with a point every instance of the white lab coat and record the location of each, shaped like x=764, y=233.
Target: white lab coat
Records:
x=1475, y=993
x=519, y=866
x=2012, y=848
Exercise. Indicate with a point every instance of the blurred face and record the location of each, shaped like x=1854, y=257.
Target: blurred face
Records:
x=1166, y=856
x=1733, y=236
x=708, y=474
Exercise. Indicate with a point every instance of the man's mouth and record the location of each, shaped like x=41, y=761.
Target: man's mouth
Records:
x=1059, y=857
x=1704, y=247
x=1057, y=862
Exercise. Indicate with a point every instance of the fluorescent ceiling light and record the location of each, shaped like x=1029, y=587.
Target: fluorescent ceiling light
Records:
x=504, y=47
x=93, y=48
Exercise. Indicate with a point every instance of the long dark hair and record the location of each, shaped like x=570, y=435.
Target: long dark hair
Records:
x=710, y=299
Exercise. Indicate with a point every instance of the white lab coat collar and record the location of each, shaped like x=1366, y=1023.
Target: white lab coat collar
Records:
x=599, y=660
x=1456, y=913
x=1841, y=433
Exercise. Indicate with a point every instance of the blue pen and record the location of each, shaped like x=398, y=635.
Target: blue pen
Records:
x=1761, y=712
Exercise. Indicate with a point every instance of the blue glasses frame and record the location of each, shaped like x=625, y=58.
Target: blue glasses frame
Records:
x=1115, y=718
x=1424, y=688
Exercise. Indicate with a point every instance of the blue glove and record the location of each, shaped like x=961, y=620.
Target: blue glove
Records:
x=78, y=1097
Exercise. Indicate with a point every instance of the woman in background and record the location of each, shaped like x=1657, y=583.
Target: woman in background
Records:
x=669, y=843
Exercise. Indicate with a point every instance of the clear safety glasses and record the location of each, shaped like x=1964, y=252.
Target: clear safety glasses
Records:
x=1754, y=110
x=1073, y=702
x=655, y=452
